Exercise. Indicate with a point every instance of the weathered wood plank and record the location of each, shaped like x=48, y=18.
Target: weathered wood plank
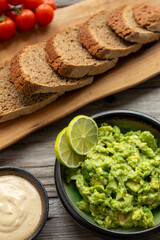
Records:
x=152, y=83
x=61, y=226
x=63, y=3
x=36, y=153
x=129, y=72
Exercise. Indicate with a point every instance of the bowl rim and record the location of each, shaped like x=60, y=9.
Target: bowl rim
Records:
x=103, y=232
x=39, y=187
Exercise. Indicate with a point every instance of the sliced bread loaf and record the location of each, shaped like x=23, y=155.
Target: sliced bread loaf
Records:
x=147, y=16
x=101, y=41
x=69, y=58
x=122, y=21
x=14, y=103
x=31, y=73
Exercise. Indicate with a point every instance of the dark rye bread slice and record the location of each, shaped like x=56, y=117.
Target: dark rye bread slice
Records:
x=147, y=16
x=101, y=41
x=122, y=21
x=69, y=58
x=31, y=73
x=13, y=103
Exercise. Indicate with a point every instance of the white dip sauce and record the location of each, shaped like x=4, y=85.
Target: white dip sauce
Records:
x=20, y=208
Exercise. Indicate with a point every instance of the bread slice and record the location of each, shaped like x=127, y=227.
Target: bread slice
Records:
x=14, y=103
x=122, y=21
x=101, y=41
x=31, y=73
x=69, y=58
x=147, y=16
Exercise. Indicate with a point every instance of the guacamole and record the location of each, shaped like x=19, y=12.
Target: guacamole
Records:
x=119, y=180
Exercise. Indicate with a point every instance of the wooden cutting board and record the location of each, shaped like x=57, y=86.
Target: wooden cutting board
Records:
x=129, y=72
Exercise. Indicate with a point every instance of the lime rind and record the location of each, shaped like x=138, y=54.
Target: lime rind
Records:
x=63, y=152
x=82, y=134
x=74, y=141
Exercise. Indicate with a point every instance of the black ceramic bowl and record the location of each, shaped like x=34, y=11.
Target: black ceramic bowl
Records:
x=69, y=195
x=40, y=188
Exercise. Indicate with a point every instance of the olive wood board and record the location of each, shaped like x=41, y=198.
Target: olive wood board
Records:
x=130, y=71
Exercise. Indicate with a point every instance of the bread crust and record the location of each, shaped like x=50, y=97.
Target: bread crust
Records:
x=25, y=84
x=55, y=60
x=94, y=47
x=66, y=69
x=147, y=16
x=98, y=50
x=26, y=109
x=118, y=22
x=18, y=77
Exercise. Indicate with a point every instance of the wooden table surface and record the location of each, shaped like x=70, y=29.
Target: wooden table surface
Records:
x=36, y=152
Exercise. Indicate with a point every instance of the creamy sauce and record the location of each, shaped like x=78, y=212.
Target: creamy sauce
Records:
x=20, y=208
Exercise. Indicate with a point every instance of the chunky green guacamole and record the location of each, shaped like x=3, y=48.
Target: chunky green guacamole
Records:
x=119, y=179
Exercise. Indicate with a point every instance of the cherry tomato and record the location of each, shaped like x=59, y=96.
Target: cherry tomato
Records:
x=10, y=14
x=44, y=14
x=32, y=4
x=50, y=3
x=16, y=2
x=7, y=28
x=3, y=5
x=25, y=20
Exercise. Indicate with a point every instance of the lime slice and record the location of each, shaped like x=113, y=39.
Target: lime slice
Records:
x=82, y=134
x=63, y=152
